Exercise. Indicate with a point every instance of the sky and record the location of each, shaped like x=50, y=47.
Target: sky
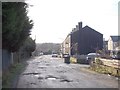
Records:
x=54, y=19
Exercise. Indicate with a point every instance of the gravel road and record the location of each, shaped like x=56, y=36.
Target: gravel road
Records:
x=50, y=72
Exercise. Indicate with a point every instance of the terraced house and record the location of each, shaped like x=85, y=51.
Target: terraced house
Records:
x=83, y=40
x=114, y=44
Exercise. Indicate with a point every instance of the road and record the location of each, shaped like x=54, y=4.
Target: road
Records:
x=47, y=72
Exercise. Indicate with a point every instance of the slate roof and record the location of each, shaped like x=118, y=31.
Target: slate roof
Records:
x=115, y=38
x=91, y=29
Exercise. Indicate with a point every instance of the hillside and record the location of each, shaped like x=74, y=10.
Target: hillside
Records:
x=47, y=48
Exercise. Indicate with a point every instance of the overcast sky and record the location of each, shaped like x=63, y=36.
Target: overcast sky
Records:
x=54, y=19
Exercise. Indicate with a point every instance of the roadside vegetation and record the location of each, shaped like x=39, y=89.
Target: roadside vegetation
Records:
x=10, y=79
x=98, y=66
x=73, y=60
x=16, y=25
x=16, y=40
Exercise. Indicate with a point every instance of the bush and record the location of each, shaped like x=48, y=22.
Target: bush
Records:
x=99, y=67
x=73, y=60
x=98, y=61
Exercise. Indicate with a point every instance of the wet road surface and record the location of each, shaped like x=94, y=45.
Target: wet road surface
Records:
x=48, y=72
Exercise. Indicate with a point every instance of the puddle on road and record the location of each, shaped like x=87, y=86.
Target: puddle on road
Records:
x=40, y=78
x=36, y=75
x=50, y=77
x=61, y=79
x=33, y=83
x=66, y=80
x=47, y=64
x=42, y=67
x=61, y=71
x=30, y=73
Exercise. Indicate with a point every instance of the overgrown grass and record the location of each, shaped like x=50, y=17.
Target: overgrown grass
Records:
x=105, y=69
x=9, y=78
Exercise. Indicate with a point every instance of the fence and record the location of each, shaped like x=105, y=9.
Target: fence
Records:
x=6, y=59
x=9, y=58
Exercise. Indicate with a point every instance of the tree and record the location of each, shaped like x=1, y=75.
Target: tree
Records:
x=28, y=47
x=16, y=25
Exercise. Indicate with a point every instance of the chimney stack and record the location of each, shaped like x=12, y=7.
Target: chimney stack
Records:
x=77, y=27
x=80, y=25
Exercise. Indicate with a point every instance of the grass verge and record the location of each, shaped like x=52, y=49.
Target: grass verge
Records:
x=9, y=79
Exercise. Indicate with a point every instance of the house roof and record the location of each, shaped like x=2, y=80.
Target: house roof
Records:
x=115, y=38
x=85, y=27
x=91, y=29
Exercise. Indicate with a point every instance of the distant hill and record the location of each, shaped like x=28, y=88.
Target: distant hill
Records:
x=47, y=48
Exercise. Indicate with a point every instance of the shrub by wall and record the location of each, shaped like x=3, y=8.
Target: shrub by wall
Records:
x=99, y=66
